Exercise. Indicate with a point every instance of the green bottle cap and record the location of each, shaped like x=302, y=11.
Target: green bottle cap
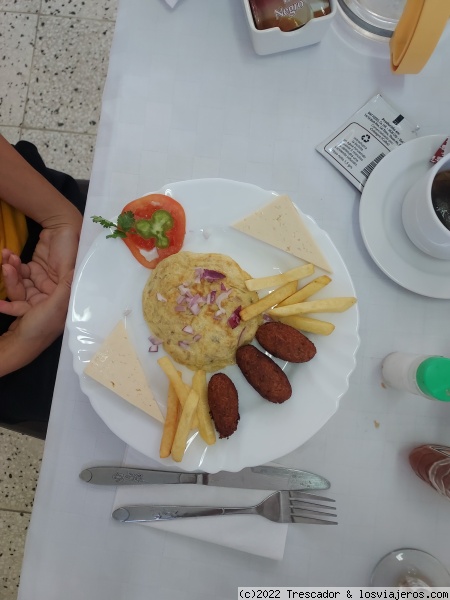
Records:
x=433, y=377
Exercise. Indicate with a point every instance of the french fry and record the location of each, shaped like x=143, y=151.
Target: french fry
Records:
x=181, y=388
x=271, y=281
x=314, y=306
x=308, y=324
x=260, y=306
x=174, y=378
x=170, y=423
x=205, y=423
x=307, y=290
x=184, y=426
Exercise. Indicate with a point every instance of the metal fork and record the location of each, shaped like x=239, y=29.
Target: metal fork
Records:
x=287, y=506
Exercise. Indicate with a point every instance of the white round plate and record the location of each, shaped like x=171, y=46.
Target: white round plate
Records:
x=109, y=283
x=381, y=223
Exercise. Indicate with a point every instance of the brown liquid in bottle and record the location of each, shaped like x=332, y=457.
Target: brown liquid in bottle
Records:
x=287, y=15
x=432, y=464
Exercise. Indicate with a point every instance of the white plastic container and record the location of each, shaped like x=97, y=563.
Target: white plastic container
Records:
x=419, y=374
x=270, y=41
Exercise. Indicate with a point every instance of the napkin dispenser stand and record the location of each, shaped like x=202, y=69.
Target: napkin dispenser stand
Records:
x=270, y=41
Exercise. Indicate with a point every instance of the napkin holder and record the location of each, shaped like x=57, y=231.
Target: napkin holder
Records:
x=270, y=41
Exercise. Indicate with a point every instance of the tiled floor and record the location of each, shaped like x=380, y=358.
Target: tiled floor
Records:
x=53, y=64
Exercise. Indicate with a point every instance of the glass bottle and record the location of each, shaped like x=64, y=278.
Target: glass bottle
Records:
x=432, y=464
x=288, y=15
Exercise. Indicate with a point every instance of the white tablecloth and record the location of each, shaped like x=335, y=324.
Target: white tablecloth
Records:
x=186, y=97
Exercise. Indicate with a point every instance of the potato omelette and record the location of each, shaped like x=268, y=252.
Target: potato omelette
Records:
x=191, y=303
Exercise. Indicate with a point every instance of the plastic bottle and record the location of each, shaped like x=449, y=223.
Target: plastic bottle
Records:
x=432, y=464
x=419, y=374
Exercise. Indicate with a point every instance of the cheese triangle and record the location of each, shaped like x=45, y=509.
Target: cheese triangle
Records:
x=117, y=367
x=280, y=224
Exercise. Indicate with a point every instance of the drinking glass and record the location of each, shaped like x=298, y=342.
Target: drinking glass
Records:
x=413, y=27
x=410, y=568
x=374, y=18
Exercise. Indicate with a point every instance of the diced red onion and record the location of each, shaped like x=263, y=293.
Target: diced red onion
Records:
x=161, y=297
x=211, y=276
x=219, y=312
x=194, y=300
x=235, y=319
x=180, y=308
x=207, y=274
x=197, y=337
x=188, y=329
x=213, y=297
x=195, y=309
x=184, y=290
x=155, y=341
x=183, y=344
x=153, y=348
x=221, y=297
x=267, y=318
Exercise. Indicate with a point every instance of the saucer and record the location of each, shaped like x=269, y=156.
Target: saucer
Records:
x=380, y=219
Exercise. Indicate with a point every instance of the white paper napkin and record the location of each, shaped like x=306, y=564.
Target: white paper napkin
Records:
x=248, y=533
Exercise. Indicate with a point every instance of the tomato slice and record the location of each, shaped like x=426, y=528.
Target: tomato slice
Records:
x=143, y=208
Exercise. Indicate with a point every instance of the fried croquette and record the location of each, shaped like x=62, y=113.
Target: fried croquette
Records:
x=263, y=374
x=285, y=342
x=223, y=404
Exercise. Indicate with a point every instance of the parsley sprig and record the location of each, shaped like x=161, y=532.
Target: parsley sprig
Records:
x=125, y=222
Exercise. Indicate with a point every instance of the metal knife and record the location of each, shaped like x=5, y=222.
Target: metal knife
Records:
x=255, y=478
